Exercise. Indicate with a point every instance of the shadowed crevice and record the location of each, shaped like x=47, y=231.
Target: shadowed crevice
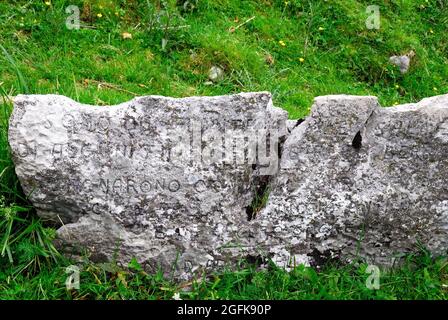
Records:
x=260, y=196
x=357, y=141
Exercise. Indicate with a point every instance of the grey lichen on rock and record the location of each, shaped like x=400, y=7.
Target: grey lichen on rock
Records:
x=171, y=181
x=357, y=180
x=164, y=180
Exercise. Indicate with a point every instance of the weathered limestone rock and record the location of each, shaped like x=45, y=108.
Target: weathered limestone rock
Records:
x=360, y=181
x=164, y=180
x=403, y=62
x=215, y=74
x=172, y=182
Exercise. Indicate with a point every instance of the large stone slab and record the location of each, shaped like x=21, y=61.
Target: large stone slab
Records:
x=174, y=182
x=167, y=181
x=357, y=180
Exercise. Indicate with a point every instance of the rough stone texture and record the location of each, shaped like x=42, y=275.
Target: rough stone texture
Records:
x=403, y=62
x=215, y=74
x=134, y=180
x=355, y=180
x=360, y=181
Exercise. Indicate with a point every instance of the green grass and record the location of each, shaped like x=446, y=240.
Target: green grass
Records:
x=295, y=49
x=340, y=54
x=421, y=278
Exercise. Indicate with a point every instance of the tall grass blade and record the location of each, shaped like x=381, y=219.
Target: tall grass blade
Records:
x=23, y=85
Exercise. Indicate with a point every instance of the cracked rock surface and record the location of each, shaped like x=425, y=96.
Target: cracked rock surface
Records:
x=357, y=180
x=146, y=178
x=171, y=182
